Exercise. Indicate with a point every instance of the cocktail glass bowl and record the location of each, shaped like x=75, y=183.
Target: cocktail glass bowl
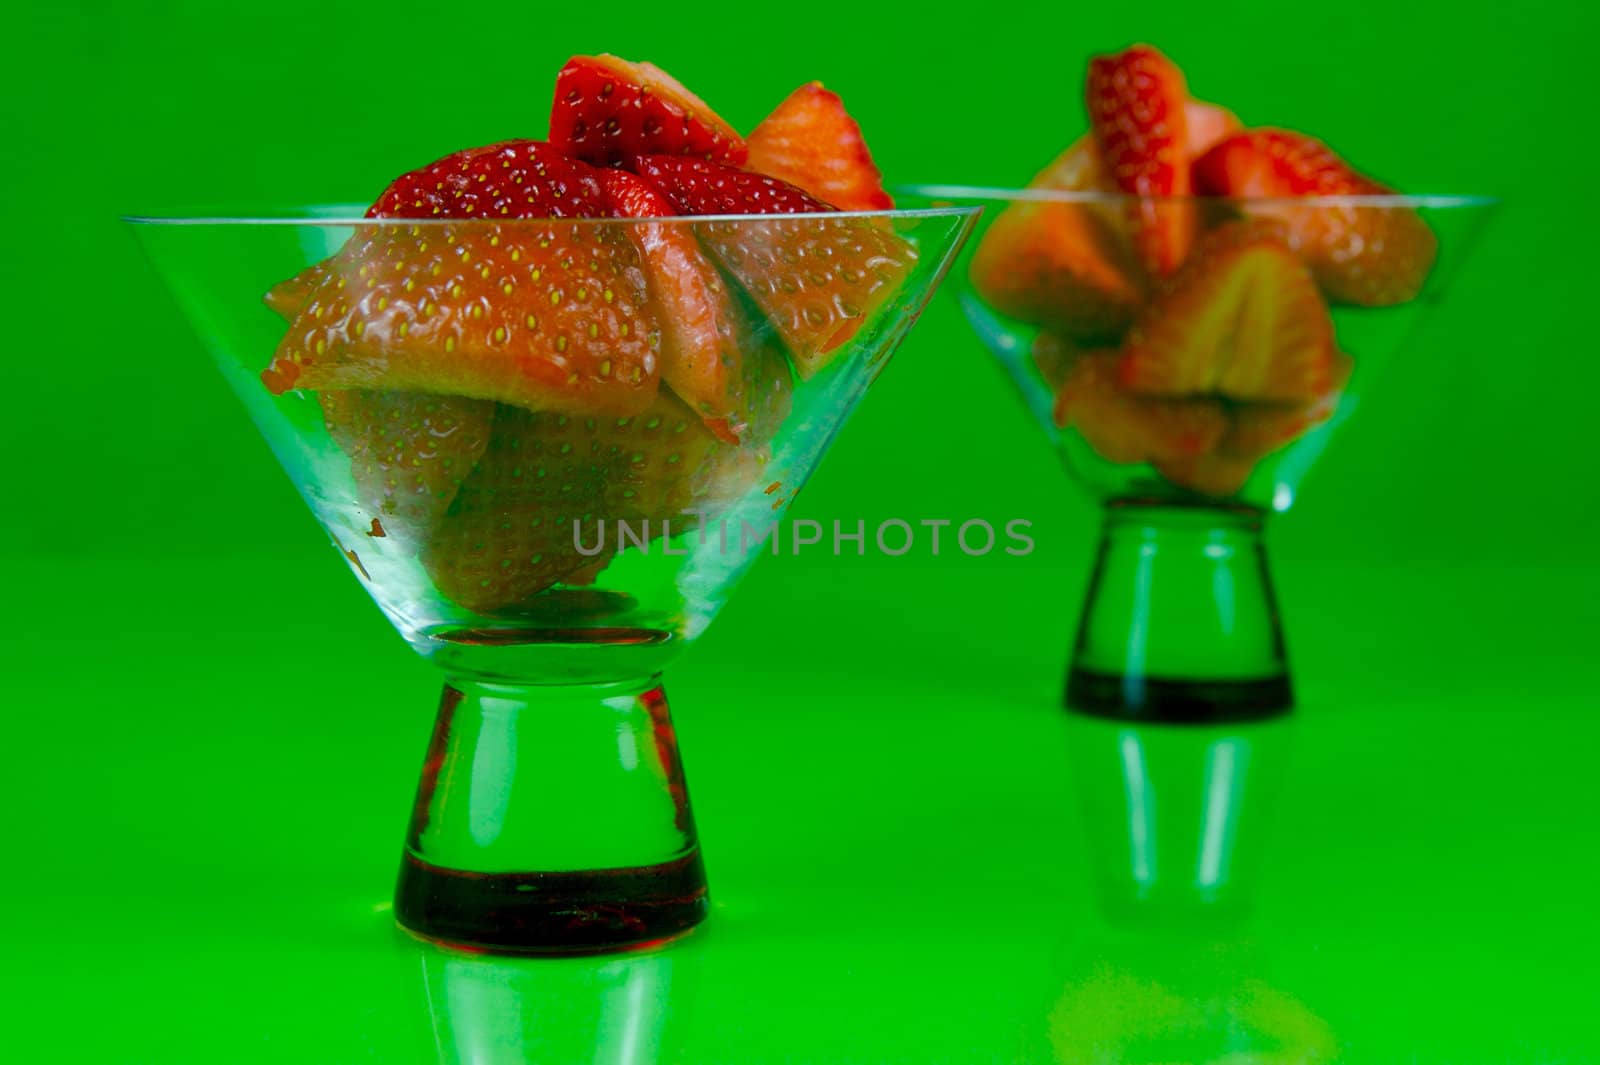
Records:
x=1180, y=622
x=550, y=561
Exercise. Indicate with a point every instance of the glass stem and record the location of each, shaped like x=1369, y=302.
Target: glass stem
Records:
x=1180, y=623
x=552, y=819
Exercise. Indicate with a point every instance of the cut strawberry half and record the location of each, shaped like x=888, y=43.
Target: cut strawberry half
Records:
x=701, y=332
x=608, y=110
x=1125, y=428
x=511, y=179
x=1243, y=320
x=552, y=315
x=509, y=532
x=1371, y=256
x=409, y=452
x=1069, y=267
x=817, y=280
x=547, y=315
x=1137, y=109
x=811, y=142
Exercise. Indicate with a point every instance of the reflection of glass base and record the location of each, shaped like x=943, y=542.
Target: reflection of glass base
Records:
x=1180, y=623
x=566, y=913
x=1191, y=702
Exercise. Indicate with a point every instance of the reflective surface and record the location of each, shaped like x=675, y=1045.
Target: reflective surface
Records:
x=1410, y=862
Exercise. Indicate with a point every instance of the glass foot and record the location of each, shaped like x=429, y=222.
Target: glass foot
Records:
x=1180, y=624
x=552, y=820
x=567, y=913
x=1134, y=696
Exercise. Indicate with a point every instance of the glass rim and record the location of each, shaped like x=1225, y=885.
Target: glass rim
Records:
x=998, y=194
x=346, y=215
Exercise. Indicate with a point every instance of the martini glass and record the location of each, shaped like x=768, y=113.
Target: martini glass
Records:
x=1180, y=622
x=550, y=562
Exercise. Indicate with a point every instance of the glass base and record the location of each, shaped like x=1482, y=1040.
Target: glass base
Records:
x=1180, y=624
x=594, y=911
x=1135, y=697
x=552, y=819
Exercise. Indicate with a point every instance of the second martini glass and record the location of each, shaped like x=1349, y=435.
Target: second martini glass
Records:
x=549, y=562
x=1180, y=621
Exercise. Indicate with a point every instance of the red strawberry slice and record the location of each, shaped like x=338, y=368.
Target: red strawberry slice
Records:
x=608, y=110
x=1065, y=266
x=811, y=142
x=697, y=187
x=1242, y=320
x=511, y=179
x=409, y=452
x=551, y=315
x=509, y=533
x=1137, y=110
x=816, y=280
x=1125, y=428
x=1371, y=256
x=701, y=331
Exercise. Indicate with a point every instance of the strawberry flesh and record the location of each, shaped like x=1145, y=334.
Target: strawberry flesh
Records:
x=1242, y=320
x=608, y=110
x=701, y=331
x=1256, y=430
x=1066, y=266
x=409, y=452
x=1370, y=256
x=816, y=280
x=1127, y=428
x=1216, y=474
x=509, y=532
x=811, y=142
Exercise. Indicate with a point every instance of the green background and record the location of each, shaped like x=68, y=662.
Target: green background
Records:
x=214, y=735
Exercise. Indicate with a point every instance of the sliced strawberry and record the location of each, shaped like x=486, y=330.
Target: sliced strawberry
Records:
x=1053, y=357
x=552, y=315
x=511, y=179
x=288, y=296
x=1125, y=428
x=1065, y=266
x=409, y=452
x=608, y=110
x=1206, y=124
x=817, y=280
x=509, y=533
x=1242, y=320
x=1371, y=256
x=811, y=142
x=1137, y=109
x=765, y=397
x=701, y=333
x=1258, y=429
x=1214, y=474
x=697, y=187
